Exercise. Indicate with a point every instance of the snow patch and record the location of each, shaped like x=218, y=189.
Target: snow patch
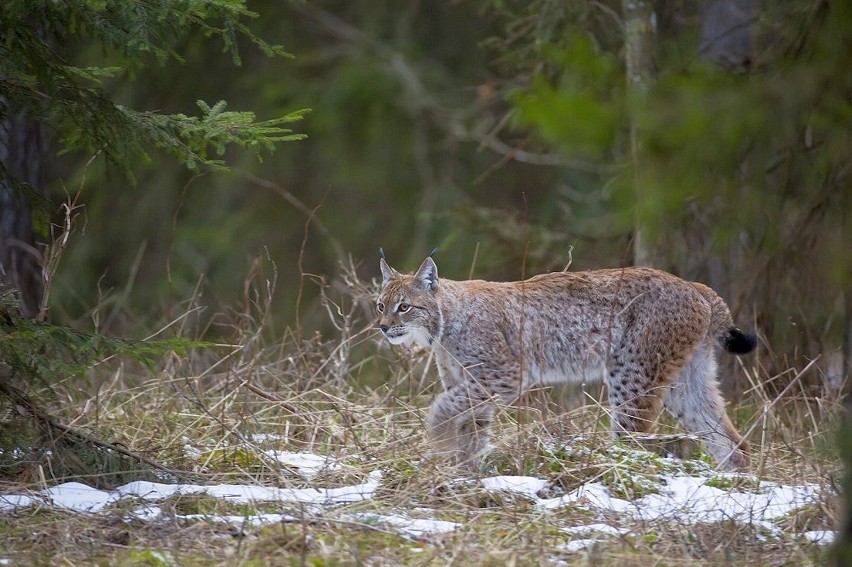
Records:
x=594, y=529
x=146, y=513
x=681, y=498
x=576, y=545
x=692, y=500
x=79, y=497
x=819, y=536
x=265, y=437
x=688, y=499
x=526, y=486
x=593, y=494
x=307, y=465
x=11, y=502
x=240, y=521
x=415, y=528
x=675, y=497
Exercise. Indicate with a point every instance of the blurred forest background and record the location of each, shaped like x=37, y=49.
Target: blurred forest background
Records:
x=707, y=138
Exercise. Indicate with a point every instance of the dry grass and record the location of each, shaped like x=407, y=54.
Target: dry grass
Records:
x=212, y=414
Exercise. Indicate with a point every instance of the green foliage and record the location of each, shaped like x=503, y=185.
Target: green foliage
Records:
x=742, y=173
x=731, y=175
x=629, y=473
x=39, y=39
x=245, y=459
x=38, y=353
x=150, y=557
x=582, y=113
x=135, y=29
x=188, y=138
x=34, y=357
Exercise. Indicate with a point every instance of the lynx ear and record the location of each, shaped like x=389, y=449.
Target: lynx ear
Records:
x=427, y=276
x=388, y=273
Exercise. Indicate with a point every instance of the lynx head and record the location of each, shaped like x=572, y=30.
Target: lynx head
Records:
x=407, y=304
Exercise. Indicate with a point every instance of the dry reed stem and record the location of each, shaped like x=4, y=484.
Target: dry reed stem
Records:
x=326, y=396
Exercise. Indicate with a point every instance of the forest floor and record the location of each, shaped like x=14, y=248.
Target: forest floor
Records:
x=297, y=456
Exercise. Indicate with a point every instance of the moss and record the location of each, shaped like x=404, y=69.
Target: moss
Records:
x=194, y=504
x=281, y=541
x=400, y=474
x=627, y=472
x=739, y=483
x=330, y=545
x=810, y=517
x=152, y=557
x=630, y=486
x=228, y=458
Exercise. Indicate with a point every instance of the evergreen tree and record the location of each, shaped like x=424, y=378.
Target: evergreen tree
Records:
x=47, y=102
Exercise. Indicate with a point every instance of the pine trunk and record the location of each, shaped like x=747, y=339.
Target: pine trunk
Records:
x=22, y=147
x=640, y=55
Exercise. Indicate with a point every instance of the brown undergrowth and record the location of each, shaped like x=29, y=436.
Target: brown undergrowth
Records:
x=215, y=414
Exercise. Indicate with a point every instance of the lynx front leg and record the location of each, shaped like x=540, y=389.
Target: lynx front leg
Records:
x=459, y=420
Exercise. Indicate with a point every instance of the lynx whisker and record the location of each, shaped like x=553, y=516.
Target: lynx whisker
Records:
x=648, y=334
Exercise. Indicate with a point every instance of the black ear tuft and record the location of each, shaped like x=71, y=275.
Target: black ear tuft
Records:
x=434, y=251
x=738, y=342
x=381, y=253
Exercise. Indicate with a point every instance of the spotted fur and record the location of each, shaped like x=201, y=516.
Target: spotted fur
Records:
x=648, y=334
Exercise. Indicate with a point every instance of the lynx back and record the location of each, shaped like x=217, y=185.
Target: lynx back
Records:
x=647, y=334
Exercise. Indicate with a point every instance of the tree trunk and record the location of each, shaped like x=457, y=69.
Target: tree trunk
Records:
x=725, y=41
x=726, y=33
x=640, y=32
x=22, y=145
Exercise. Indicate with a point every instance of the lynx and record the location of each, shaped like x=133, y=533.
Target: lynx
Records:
x=648, y=334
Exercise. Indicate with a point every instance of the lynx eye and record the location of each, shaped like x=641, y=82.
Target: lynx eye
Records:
x=403, y=307
x=380, y=307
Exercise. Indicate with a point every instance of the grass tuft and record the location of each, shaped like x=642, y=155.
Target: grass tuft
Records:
x=222, y=414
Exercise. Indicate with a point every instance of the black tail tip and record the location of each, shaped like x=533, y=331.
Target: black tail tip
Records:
x=738, y=342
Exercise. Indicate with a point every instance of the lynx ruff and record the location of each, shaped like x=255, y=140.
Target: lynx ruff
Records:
x=648, y=334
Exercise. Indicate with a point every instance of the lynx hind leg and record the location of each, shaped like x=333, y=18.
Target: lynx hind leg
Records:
x=694, y=399
x=633, y=398
x=459, y=421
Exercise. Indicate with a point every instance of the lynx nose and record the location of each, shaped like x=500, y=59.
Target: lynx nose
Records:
x=384, y=328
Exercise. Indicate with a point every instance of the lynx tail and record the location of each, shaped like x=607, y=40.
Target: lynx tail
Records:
x=737, y=342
